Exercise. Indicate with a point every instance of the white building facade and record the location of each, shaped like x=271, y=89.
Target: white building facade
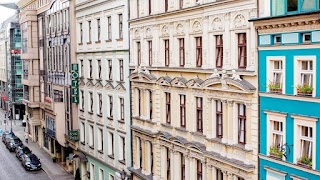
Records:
x=104, y=107
x=193, y=85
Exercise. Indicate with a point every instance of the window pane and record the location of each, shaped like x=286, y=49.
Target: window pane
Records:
x=307, y=4
x=292, y=5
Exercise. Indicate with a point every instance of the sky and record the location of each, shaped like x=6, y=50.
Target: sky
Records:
x=5, y=12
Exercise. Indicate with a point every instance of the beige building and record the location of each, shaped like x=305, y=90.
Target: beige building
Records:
x=194, y=100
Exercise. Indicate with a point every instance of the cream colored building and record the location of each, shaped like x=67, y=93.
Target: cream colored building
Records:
x=194, y=81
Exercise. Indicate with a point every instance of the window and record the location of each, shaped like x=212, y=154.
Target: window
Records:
x=292, y=5
x=91, y=102
x=111, y=177
x=150, y=52
x=120, y=26
x=277, y=134
x=183, y=111
x=138, y=8
x=166, y=52
x=92, y=170
x=151, y=157
x=89, y=35
x=199, y=51
x=122, y=109
x=82, y=133
x=139, y=53
x=81, y=66
x=276, y=75
x=166, y=5
x=306, y=142
x=199, y=114
x=183, y=167
x=242, y=50
x=150, y=104
x=100, y=140
x=123, y=148
x=199, y=170
x=90, y=70
x=180, y=4
x=99, y=69
x=168, y=108
x=241, y=123
x=219, y=174
x=140, y=152
x=306, y=72
x=109, y=28
x=121, y=69
x=91, y=136
x=110, y=69
x=219, y=119
x=181, y=52
x=219, y=51
x=110, y=107
x=168, y=162
x=100, y=104
x=99, y=29
x=150, y=7
x=139, y=102
x=101, y=174
x=111, y=143
x=81, y=33
x=82, y=100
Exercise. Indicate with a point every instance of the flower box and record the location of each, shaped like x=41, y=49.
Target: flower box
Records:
x=304, y=90
x=305, y=162
x=275, y=88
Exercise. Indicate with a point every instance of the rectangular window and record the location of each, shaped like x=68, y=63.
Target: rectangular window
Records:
x=276, y=84
x=140, y=152
x=241, y=123
x=139, y=102
x=91, y=101
x=199, y=51
x=82, y=100
x=82, y=133
x=306, y=142
x=91, y=136
x=168, y=108
x=219, y=174
x=81, y=33
x=151, y=157
x=81, y=70
x=120, y=26
x=121, y=69
x=99, y=69
x=90, y=68
x=183, y=111
x=166, y=6
x=183, y=167
x=292, y=5
x=219, y=51
x=150, y=7
x=122, y=109
x=219, y=119
x=100, y=140
x=110, y=106
x=89, y=35
x=306, y=73
x=181, y=52
x=139, y=53
x=199, y=114
x=123, y=144
x=166, y=52
x=99, y=29
x=101, y=174
x=111, y=147
x=150, y=104
x=168, y=162
x=150, y=52
x=109, y=28
x=199, y=170
x=277, y=134
x=242, y=50
x=110, y=69
x=180, y=4
x=100, y=103
x=92, y=170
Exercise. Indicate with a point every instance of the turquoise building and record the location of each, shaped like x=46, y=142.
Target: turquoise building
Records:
x=289, y=90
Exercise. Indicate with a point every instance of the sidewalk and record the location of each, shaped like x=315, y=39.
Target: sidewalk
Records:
x=53, y=170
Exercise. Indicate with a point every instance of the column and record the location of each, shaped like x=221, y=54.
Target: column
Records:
x=144, y=162
x=176, y=163
x=231, y=122
x=163, y=163
x=225, y=121
x=188, y=168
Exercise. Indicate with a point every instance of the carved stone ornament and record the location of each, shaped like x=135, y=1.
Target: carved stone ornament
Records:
x=137, y=34
x=165, y=30
x=216, y=24
x=180, y=29
x=148, y=32
x=196, y=26
x=239, y=21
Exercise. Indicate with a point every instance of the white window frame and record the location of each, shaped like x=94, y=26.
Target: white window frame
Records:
x=297, y=72
x=111, y=177
x=100, y=139
x=271, y=117
x=121, y=138
x=270, y=70
x=92, y=176
x=274, y=175
x=91, y=135
x=82, y=131
x=309, y=122
x=101, y=174
x=110, y=146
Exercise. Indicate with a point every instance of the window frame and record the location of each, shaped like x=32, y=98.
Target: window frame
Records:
x=219, y=51
x=90, y=69
x=298, y=71
x=198, y=51
x=242, y=46
x=166, y=5
x=109, y=28
x=81, y=32
x=89, y=33
x=183, y=166
x=150, y=52
x=99, y=30
x=182, y=110
x=121, y=70
x=110, y=106
x=110, y=69
x=218, y=114
x=99, y=69
x=138, y=53
x=182, y=59
x=120, y=17
x=100, y=104
x=199, y=170
x=199, y=114
x=121, y=100
x=242, y=117
x=166, y=52
x=168, y=107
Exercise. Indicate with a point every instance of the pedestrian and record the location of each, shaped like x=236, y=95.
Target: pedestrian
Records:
x=26, y=138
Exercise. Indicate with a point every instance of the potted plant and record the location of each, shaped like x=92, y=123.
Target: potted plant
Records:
x=275, y=87
x=304, y=89
x=305, y=161
x=275, y=152
x=54, y=159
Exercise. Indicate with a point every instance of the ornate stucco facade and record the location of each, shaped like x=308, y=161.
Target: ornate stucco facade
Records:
x=193, y=88
x=104, y=107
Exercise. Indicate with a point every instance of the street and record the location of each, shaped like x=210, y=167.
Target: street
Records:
x=10, y=166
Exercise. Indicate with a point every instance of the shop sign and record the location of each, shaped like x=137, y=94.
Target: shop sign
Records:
x=75, y=83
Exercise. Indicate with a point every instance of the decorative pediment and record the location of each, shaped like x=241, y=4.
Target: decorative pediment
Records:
x=137, y=33
x=81, y=82
x=179, y=29
x=196, y=27
x=120, y=88
x=164, y=81
x=165, y=30
x=178, y=82
x=109, y=86
x=89, y=82
x=99, y=84
x=217, y=24
x=142, y=75
x=240, y=21
x=196, y=82
x=148, y=32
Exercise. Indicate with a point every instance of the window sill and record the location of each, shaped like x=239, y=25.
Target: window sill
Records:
x=110, y=118
x=91, y=147
x=167, y=125
x=99, y=79
x=109, y=80
x=120, y=81
x=90, y=112
x=98, y=42
x=83, y=143
x=183, y=129
x=81, y=110
x=80, y=44
x=100, y=115
x=120, y=39
x=198, y=134
x=100, y=151
x=111, y=156
x=90, y=78
x=89, y=42
x=123, y=161
x=121, y=121
x=109, y=40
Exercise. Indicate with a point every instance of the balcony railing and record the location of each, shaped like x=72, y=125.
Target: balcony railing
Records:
x=51, y=133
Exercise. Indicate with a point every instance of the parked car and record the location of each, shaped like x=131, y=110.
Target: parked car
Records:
x=21, y=150
x=6, y=135
x=13, y=143
x=30, y=162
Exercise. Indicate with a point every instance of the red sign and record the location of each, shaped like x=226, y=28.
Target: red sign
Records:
x=15, y=51
x=4, y=97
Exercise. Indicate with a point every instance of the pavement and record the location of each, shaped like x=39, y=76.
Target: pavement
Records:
x=53, y=170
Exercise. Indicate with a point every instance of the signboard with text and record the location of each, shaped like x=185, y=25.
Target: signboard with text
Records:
x=73, y=135
x=75, y=83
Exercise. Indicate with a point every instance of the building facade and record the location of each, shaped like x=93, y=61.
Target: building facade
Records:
x=288, y=89
x=104, y=107
x=193, y=88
